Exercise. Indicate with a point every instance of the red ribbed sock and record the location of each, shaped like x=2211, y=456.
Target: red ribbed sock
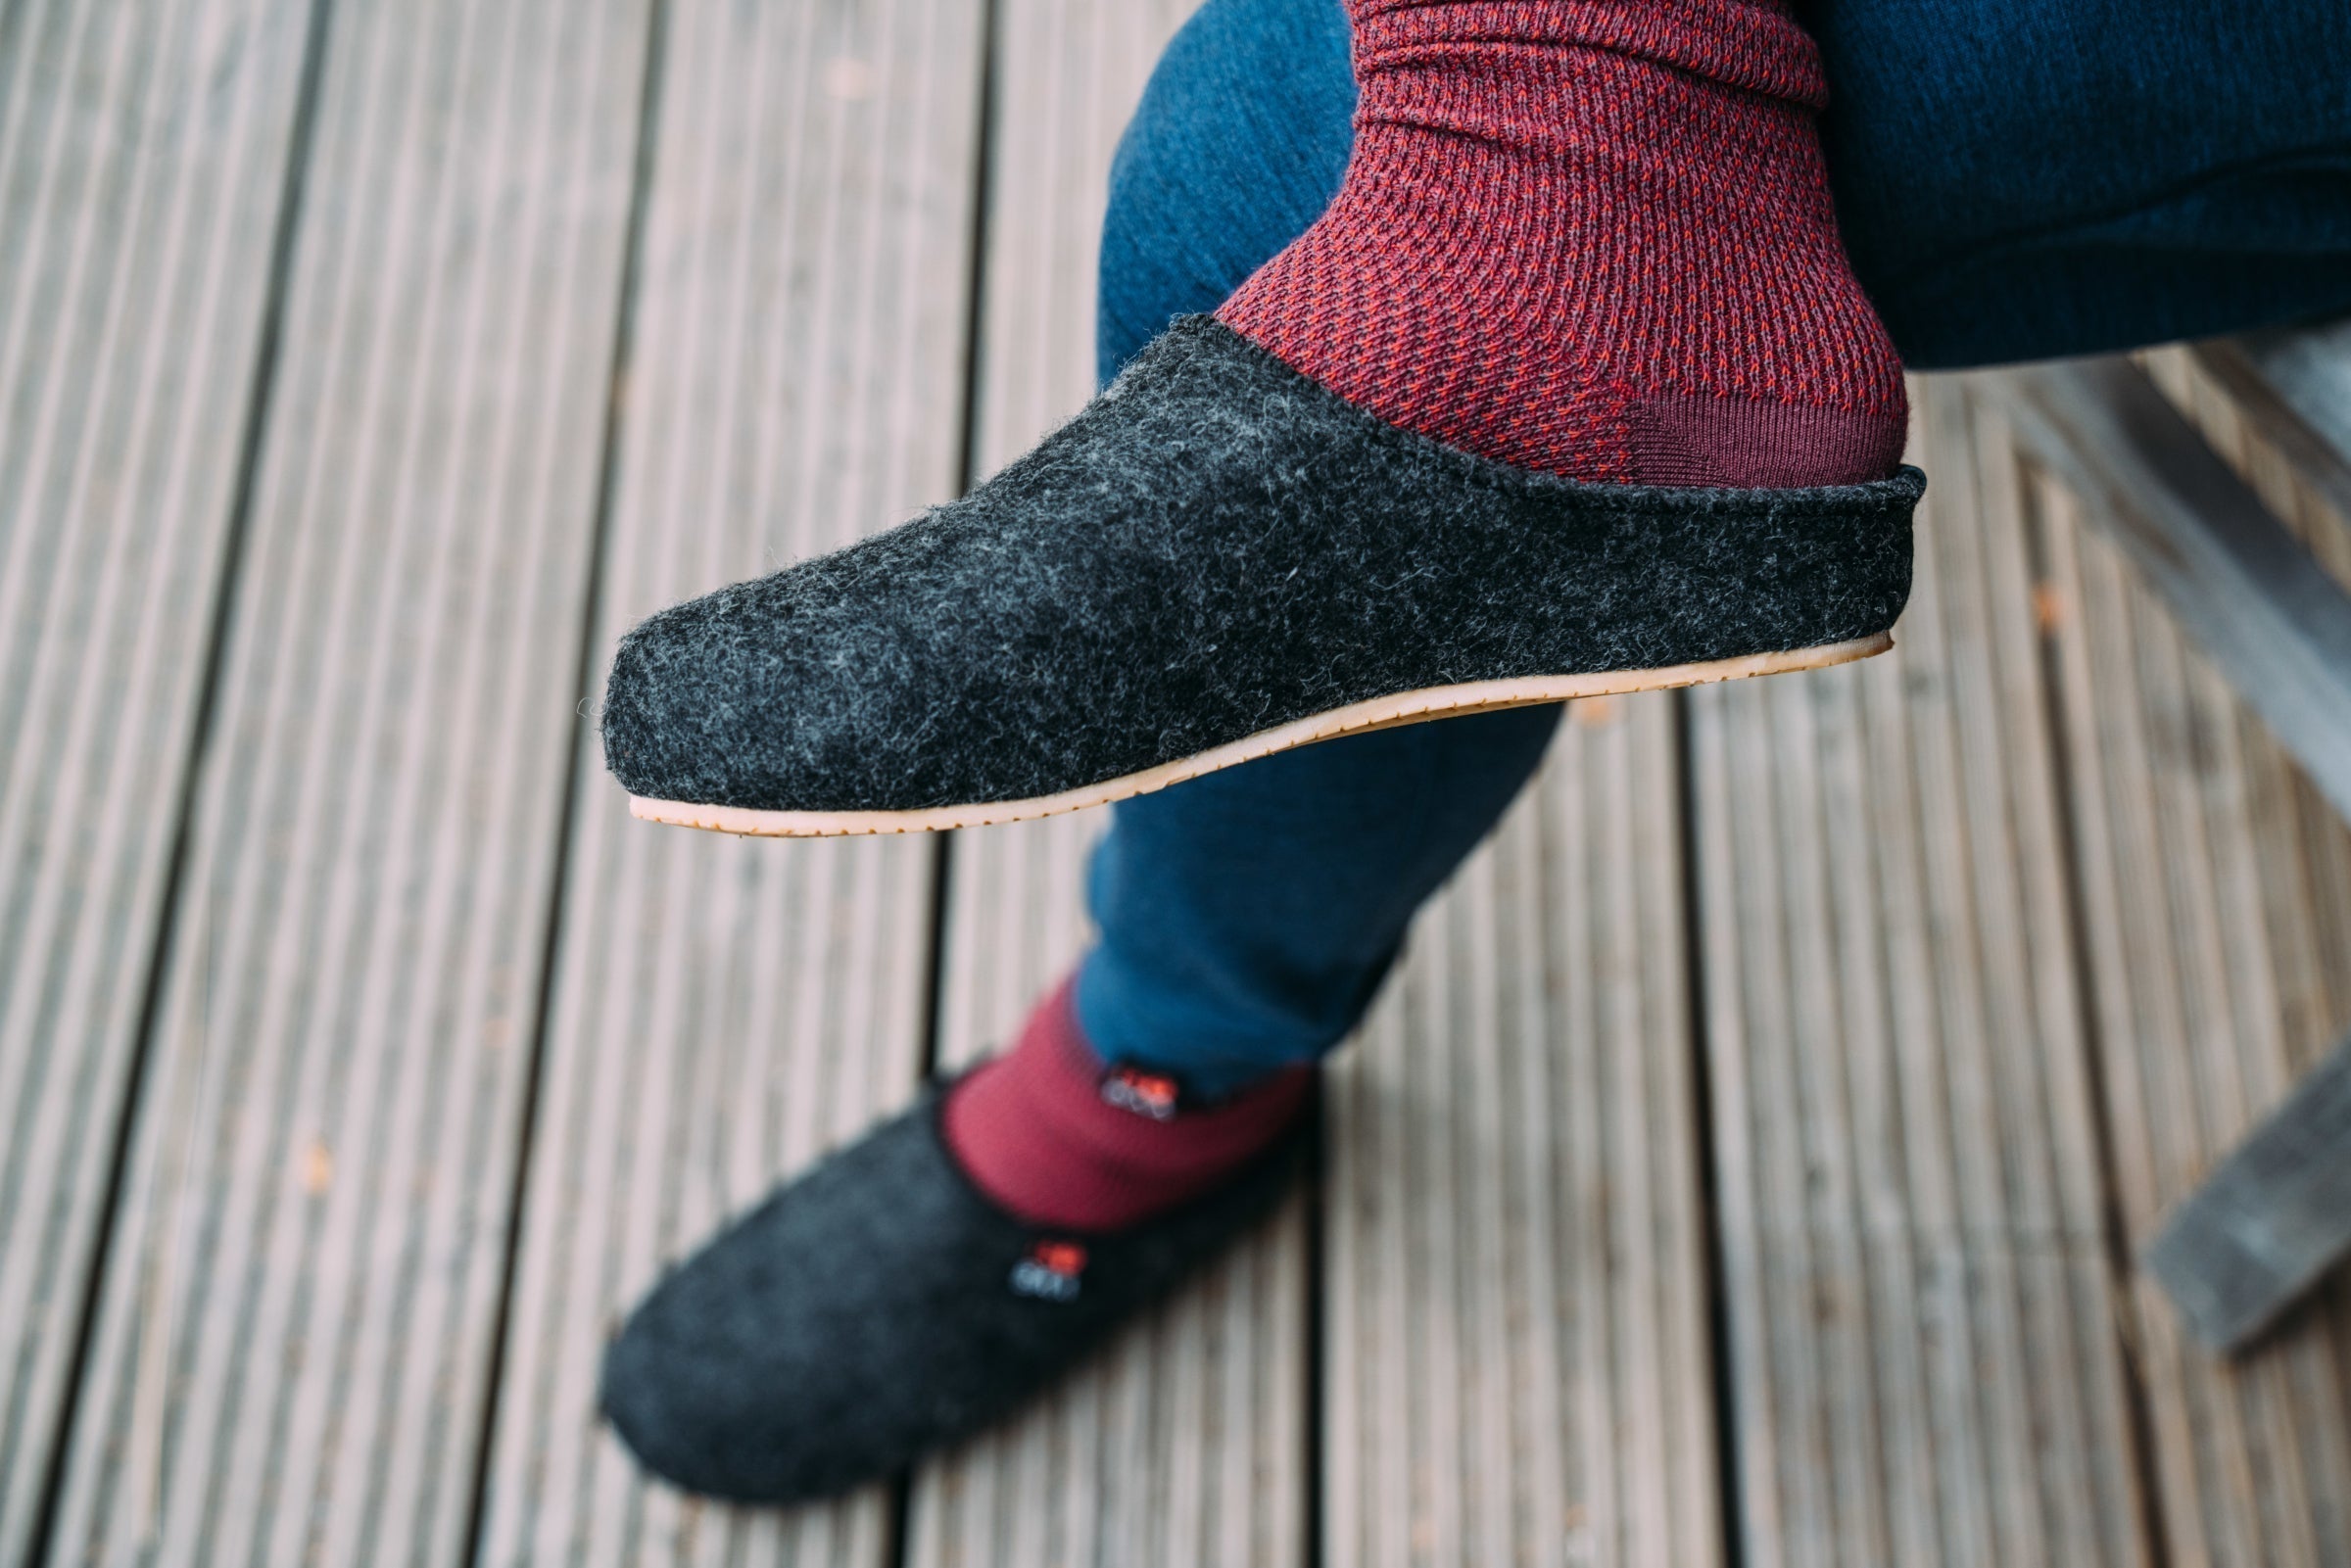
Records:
x=1054, y=1136
x=1591, y=237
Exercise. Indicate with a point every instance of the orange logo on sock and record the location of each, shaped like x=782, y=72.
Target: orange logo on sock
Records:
x=1061, y=1257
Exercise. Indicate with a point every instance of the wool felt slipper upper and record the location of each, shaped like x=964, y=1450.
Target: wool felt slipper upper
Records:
x=1216, y=547
x=878, y=1307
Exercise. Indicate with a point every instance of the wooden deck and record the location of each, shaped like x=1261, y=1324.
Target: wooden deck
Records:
x=1740, y=1171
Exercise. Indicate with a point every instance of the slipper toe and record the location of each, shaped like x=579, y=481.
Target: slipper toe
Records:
x=878, y=1307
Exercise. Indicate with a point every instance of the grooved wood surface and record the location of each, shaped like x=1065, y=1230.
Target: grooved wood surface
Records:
x=725, y=1009
x=142, y=163
x=2217, y=902
x=1185, y=1444
x=1516, y=1363
x=1922, y=1315
x=293, y=1341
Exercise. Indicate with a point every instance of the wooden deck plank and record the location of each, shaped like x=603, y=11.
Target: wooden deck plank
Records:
x=2229, y=571
x=724, y=1010
x=2214, y=885
x=2271, y=1221
x=143, y=159
x=1184, y=1444
x=1924, y=1367
x=2295, y=483
x=1517, y=1366
x=2294, y=385
x=293, y=1333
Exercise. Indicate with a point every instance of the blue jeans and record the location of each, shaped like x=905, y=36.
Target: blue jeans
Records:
x=2014, y=180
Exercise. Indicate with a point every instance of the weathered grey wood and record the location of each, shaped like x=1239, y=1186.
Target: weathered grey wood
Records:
x=2261, y=447
x=724, y=1010
x=1516, y=1365
x=2267, y=615
x=1184, y=1443
x=2281, y=435
x=2296, y=385
x=2270, y=1221
x=1925, y=1366
x=294, y=1328
x=143, y=154
x=2233, y=1269
x=2213, y=886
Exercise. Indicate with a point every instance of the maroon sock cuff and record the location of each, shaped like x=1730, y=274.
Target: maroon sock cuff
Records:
x=1052, y=1135
x=1592, y=238
x=1753, y=44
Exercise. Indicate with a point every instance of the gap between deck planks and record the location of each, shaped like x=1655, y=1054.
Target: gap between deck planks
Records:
x=725, y=1009
x=143, y=169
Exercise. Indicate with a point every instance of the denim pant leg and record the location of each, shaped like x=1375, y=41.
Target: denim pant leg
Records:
x=2015, y=180
x=1248, y=915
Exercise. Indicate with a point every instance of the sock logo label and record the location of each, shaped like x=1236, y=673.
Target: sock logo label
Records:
x=1146, y=1094
x=1050, y=1272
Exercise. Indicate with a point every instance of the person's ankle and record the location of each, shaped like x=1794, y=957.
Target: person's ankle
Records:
x=1055, y=1136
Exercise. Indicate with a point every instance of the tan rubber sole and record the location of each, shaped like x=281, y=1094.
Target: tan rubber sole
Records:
x=1380, y=713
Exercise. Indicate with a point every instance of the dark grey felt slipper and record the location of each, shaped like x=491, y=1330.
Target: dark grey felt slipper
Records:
x=1219, y=558
x=879, y=1308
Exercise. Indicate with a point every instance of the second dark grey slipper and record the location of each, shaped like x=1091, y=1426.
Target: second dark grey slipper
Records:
x=878, y=1307
x=1217, y=559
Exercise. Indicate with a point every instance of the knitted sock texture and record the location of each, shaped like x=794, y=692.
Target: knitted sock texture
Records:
x=1056, y=1138
x=1592, y=238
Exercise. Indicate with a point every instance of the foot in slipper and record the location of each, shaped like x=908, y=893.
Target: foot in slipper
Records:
x=1570, y=391
x=934, y=1276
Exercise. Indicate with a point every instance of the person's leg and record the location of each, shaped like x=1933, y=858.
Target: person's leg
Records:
x=1238, y=144
x=1247, y=917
